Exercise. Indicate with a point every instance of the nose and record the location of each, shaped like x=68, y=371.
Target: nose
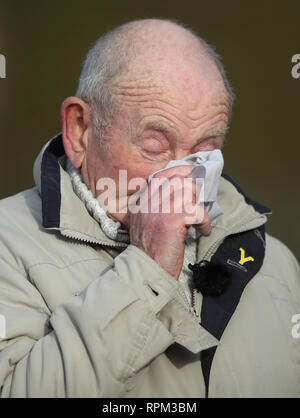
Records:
x=180, y=154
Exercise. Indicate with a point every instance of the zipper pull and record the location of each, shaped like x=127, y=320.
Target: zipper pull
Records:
x=195, y=305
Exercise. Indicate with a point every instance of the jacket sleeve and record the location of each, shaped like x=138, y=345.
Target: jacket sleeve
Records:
x=94, y=343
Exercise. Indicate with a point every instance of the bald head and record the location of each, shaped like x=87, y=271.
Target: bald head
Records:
x=149, y=36
x=150, y=45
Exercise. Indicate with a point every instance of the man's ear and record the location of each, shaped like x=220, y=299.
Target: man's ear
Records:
x=75, y=115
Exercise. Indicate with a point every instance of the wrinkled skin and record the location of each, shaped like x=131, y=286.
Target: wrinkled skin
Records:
x=162, y=114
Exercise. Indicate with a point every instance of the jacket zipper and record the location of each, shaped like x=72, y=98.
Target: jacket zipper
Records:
x=195, y=305
x=79, y=237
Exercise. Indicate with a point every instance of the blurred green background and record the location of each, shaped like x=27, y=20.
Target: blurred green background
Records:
x=45, y=43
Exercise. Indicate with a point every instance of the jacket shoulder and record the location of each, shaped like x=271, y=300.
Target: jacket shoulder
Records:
x=25, y=205
x=276, y=248
x=20, y=227
x=282, y=267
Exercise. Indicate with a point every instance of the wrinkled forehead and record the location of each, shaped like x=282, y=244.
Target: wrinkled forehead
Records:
x=186, y=82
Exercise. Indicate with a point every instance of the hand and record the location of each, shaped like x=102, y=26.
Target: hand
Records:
x=161, y=235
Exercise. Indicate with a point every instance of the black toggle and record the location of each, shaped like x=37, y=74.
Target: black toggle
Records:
x=210, y=278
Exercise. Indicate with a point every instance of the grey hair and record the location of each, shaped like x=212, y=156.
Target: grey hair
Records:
x=109, y=57
x=105, y=60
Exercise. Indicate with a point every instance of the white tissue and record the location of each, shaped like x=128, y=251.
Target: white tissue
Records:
x=208, y=169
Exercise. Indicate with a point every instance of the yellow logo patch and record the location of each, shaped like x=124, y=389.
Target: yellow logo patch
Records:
x=244, y=259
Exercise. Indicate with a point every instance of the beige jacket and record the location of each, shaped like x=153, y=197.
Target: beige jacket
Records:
x=88, y=317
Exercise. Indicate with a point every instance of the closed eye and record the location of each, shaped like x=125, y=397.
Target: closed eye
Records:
x=210, y=143
x=153, y=145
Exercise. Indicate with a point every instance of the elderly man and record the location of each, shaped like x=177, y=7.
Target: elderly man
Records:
x=143, y=303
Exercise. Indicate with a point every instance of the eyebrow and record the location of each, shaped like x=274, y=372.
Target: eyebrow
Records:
x=158, y=126
x=217, y=132
x=213, y=134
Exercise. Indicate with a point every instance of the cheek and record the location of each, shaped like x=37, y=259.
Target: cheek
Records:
x=121, y=157
x=117, y=156
x=126, y=157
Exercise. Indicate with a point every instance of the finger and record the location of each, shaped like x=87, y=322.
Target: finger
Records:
x=194, y=214
x=167, y=190
x=205, y=226
x=179, y=191
x=182, y=170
